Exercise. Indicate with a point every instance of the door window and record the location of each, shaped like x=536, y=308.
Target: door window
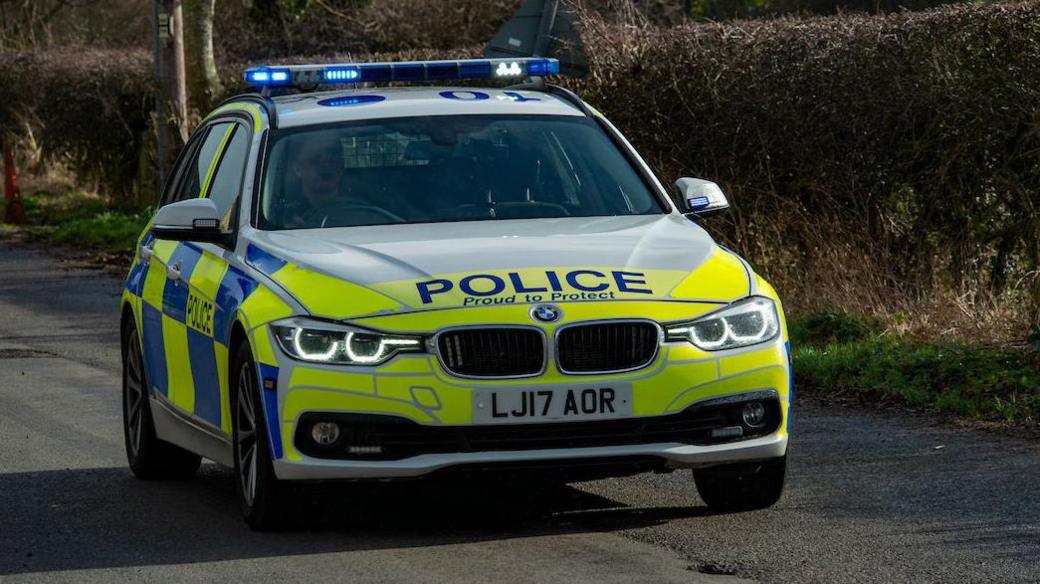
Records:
x=227, y=181
x=198, y=167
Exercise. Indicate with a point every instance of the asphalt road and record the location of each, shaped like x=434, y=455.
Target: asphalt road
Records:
x=871, y=497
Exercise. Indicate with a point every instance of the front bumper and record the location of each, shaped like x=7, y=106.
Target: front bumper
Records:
x=674, y=455
x=416, y=388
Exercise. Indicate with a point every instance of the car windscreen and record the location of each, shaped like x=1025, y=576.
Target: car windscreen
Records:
x=447, y=168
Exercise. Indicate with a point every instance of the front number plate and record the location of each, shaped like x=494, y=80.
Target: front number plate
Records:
x=551, y=404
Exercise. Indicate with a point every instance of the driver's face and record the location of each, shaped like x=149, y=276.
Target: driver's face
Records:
x=319, y=166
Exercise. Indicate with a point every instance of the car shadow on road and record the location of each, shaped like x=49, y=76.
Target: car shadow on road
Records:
x=103, y=518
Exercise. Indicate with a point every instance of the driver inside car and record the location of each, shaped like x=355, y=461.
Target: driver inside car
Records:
x=318, y=166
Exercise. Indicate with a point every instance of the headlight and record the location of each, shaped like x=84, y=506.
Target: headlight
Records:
x=320, y=342
x=746, y=322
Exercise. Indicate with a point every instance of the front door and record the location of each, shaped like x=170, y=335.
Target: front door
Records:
x=179, y=291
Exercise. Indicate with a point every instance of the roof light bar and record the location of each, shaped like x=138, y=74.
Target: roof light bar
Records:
x=274, y=76
x=409, y=71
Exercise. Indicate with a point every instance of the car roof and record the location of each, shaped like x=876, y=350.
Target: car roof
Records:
x=398, y=102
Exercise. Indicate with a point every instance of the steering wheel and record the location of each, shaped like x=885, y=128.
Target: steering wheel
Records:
x=320, y=216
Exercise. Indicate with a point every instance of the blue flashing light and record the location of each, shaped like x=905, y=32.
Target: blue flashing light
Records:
x=341, y=74
x=260, y=76
x=543, y=67
x=474, y=69
x=697, y=203
x=410, y=71
x=351, y=100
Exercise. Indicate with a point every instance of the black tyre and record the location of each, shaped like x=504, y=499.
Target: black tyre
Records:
x=148, y=456
x=742, y=486
x=261, y=496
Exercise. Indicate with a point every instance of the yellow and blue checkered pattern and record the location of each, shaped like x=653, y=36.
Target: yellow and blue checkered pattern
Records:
x=186, y=325
x=187, y=357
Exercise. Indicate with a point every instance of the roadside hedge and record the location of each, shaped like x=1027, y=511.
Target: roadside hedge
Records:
x=91, y=109
x=876, y=164
x=873, y=161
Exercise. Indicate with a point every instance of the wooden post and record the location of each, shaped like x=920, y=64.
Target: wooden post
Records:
x=179, y=80
x=14, y=212
x=158, y=34
x=174, y=85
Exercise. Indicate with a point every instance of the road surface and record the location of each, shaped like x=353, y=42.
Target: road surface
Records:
x=871, y=497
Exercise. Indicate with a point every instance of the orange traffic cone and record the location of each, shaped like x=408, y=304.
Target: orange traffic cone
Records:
x=14, y=212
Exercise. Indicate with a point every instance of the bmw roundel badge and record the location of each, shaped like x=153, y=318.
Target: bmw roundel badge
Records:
x=546, y=313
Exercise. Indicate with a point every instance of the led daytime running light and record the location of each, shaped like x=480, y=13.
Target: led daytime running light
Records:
x=723, y=330
x=385, y=346
x=340, y=344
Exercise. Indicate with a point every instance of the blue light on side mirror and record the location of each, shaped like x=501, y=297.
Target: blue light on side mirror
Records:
x=698, y=203
x=702, y=197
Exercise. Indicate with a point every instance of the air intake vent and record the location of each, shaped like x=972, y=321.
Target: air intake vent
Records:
x=492, y=352
x=607, y=347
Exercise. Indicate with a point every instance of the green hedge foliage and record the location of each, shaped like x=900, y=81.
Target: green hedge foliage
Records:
x=900, y=152
x=91, y=109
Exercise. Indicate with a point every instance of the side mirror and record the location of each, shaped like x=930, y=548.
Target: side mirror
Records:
x=701, y=197
x=190, y=220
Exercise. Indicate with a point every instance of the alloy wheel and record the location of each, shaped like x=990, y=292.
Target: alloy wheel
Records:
x=246, y=432
x=134, y=394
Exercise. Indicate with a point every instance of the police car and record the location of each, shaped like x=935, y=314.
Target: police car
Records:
x=390, y=283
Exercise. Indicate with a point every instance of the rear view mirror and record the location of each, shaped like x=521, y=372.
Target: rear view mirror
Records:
x=701, y=197
x=190, y=220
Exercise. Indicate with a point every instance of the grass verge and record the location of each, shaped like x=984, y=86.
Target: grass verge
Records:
x=999, y=384
x=81, y=221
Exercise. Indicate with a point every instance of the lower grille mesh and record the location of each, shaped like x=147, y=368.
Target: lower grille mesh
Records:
x=401, y=438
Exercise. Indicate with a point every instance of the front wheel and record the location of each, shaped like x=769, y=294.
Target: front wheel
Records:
x=148, y=456
x=742, y=486
x=260, y=493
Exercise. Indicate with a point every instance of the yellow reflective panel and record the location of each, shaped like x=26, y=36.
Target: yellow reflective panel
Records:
x=722, y=278
x=774, y=377
x=263, y=306
x=684, y=351
x=407, y=364
x=767, y=290
x=456, y=403
x=178, y=364
x=221, y=354
x=135, y=307
x=331, y=297
x=288, y=446
x=163, y=250
x=203, y=286
x=426, y=397
x=154, y=283
x=324, y=378
x=263, y=348
x=652, y=396
x=144, y=232
x=733, y=364
x=299, y=401
x=532, y=286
